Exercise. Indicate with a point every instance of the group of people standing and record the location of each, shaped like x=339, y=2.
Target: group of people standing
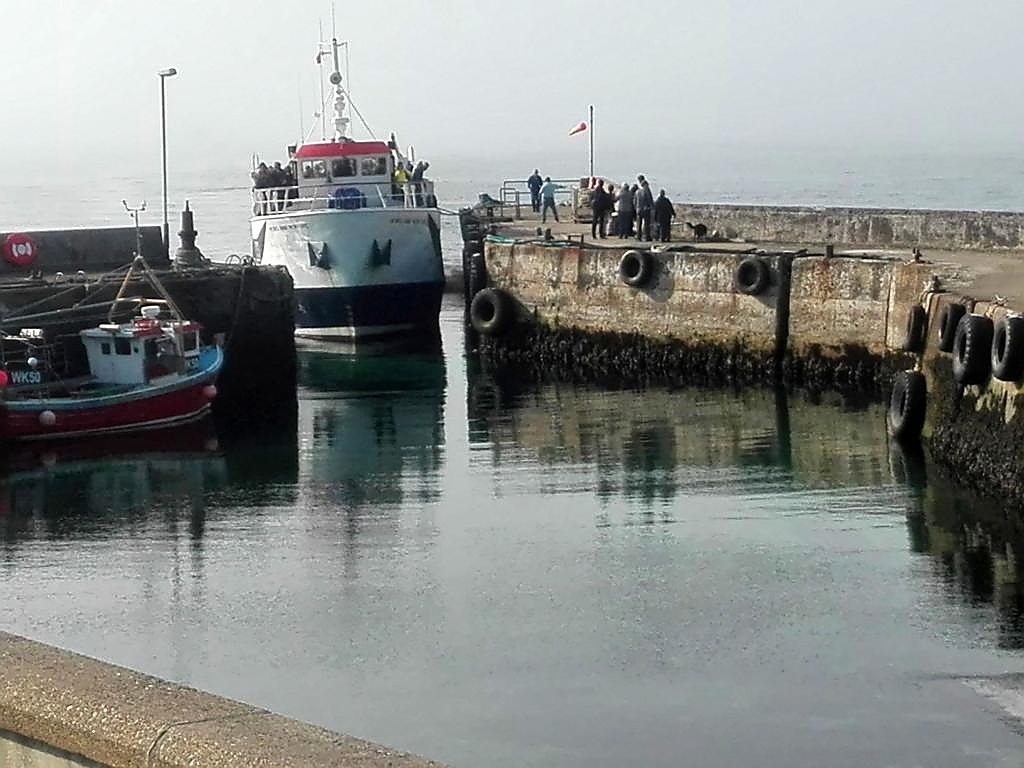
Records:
x=632, y=210
x=281, y=183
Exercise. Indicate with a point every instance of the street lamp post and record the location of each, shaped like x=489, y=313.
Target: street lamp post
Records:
x=164, y=74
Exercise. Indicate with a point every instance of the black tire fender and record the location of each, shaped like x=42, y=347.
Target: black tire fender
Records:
x=635, y=268
x=752, y=276
x=917, y=324
x=972, y=350
x=1008, y=348
x=948, y=320
x=907, y=405
x=490, y=312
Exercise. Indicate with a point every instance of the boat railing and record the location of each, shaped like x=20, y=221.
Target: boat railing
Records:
x=272, y=200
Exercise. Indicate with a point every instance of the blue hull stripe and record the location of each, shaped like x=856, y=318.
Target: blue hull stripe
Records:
x=369, y=305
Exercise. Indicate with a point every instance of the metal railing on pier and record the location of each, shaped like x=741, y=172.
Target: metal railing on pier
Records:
x=347, y=197
x=515, y=194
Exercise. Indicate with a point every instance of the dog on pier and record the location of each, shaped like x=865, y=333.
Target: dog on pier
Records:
x=700, y=231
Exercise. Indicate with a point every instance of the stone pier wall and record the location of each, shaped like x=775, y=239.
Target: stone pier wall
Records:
x=976, y=431
x=61, y=710
x=874, y=227
x=839, y=319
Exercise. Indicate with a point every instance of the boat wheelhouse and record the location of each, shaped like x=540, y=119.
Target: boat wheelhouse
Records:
x=358, y=228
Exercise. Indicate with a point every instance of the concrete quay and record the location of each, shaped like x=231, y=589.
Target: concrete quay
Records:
x=829, y=298
x=62, y=710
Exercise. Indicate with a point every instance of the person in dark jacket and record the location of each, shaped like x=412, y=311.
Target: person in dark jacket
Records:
x=663, y=215
x=600, y=204
x=644, y=204
x=535, y=182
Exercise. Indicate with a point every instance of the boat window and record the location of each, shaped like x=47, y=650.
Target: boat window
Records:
x=105, y=347
x=123, y=346
x=314, y=169
x=190, y=341
x=343, y=166
x=373, y=166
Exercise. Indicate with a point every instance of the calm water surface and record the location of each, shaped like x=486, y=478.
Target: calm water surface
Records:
x=492, y=572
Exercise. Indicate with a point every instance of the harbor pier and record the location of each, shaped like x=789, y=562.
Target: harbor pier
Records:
x=840, y=298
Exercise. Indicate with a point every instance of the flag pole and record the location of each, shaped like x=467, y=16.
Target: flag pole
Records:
x=591, y=141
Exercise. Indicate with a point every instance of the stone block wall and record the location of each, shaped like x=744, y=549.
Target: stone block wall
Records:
x=834, y=308
x=874, y=227
x=98, y=249
x=690, y=297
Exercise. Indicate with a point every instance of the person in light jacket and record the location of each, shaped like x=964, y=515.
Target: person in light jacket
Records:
x=547, y=194
x=644, y=204
x=624, y=212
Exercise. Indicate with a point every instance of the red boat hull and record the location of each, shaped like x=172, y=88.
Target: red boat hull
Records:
x=151, y=412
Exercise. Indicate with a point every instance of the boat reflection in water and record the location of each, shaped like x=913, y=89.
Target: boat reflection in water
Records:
x=371, y=423
x=89, y=486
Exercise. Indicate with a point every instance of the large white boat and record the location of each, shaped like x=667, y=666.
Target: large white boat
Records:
x=363, y=248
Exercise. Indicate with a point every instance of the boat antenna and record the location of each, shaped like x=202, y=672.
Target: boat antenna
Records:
x=134, y=213
x=302, y=128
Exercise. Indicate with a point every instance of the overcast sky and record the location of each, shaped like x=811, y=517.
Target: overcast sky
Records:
x=484, y=77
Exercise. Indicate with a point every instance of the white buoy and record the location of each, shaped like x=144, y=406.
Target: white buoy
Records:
x=47, y=418
x=33, y=362
x=209, y=391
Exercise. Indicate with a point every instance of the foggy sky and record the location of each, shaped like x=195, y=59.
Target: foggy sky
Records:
x=502, y=78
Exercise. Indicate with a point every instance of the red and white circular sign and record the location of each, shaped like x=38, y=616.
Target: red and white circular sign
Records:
x=20, y=250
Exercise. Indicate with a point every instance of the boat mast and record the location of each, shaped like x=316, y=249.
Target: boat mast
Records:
x=340, y=120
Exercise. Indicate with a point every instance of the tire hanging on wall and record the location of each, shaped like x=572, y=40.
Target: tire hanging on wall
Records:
x=948, y=320
x=1008, y=348
x=752, y=276
x=972, y=350
x=635, y=268
x=907, y=405
x=491, y=311
x=917, y=325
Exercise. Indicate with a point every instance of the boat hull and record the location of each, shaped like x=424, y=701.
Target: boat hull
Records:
x=358, y=273
x=151, y=407
x=367, y=311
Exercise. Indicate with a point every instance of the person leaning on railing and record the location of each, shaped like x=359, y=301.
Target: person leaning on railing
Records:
x=417, y=181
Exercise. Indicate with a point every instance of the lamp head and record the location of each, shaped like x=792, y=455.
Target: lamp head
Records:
x=169, y=72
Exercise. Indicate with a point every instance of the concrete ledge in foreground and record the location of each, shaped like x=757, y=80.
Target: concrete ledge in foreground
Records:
x=57, y=707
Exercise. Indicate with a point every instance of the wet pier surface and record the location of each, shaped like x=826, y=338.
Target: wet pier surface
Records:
x=493, y=571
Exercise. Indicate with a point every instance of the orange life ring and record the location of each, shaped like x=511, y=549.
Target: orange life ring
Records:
x=20, y=250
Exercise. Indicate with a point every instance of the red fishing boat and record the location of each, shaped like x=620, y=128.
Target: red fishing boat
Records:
x=146, y=373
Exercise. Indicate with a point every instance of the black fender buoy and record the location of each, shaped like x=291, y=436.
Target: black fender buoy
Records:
x=917, y=323
x=948, y=320
x=972, y=349
x=1008, y=348
x=635, y=268
x=751, y=276
x=907, y=405
x=490, y=312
